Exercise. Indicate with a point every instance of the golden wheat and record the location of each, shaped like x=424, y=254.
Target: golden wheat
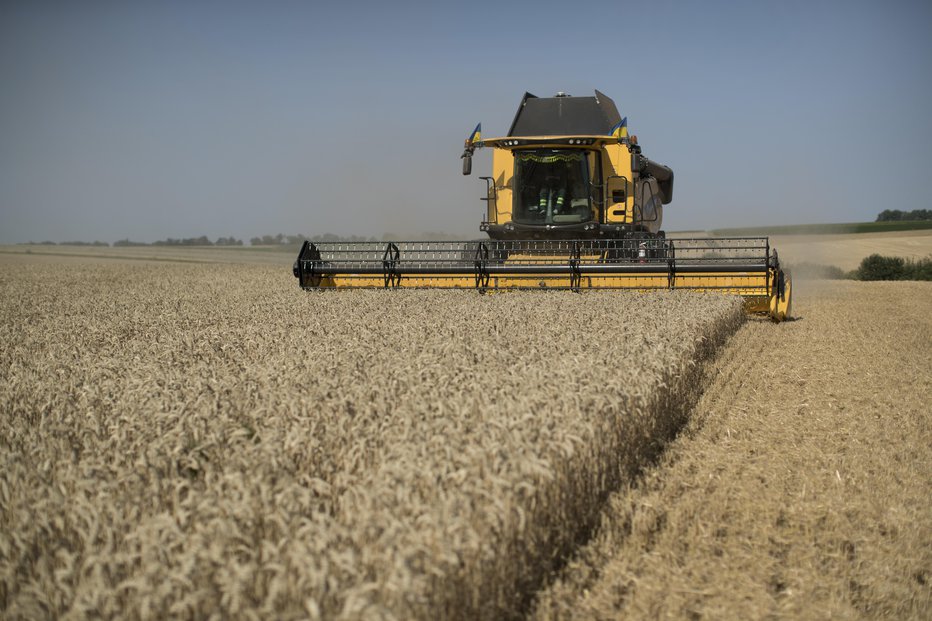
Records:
x=209, y=441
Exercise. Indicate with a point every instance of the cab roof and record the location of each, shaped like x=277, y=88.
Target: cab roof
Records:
x=565, y=115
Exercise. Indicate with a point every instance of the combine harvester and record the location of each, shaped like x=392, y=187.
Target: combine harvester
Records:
x=571, y=204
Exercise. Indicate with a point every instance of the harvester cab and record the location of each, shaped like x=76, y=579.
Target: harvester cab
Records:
x=567, y=169
x=572, y=203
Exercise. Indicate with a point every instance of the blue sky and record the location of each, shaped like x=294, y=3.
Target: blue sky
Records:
x=147, y=120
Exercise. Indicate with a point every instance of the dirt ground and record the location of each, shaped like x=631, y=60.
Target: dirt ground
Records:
x=801, y=487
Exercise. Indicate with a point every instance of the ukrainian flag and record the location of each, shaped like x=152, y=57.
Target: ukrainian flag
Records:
x=620, y=130
x=476, y=135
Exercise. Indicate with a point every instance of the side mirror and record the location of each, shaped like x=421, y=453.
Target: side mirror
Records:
x=467, y=163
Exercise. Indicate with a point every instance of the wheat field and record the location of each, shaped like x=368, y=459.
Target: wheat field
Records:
x=208, y=441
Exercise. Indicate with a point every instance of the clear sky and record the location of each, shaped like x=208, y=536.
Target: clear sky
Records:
x=147, y=120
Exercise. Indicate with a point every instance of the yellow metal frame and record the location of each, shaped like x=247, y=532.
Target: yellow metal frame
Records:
x=753, y=287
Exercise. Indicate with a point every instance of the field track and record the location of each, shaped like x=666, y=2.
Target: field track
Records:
x=802, y=486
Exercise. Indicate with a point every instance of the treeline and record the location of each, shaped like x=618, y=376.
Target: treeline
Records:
x=68, y=243
x=187, y=241
x=291, y=240
x=200, y=241
x=895, y=215
x=265, y=240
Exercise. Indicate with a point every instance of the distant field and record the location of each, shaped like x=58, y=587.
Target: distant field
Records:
x=825, y=229
x=174, y=254
x=841, y=249
x=847, y=251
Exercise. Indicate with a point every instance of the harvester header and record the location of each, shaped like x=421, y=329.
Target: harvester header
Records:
x=571, y=203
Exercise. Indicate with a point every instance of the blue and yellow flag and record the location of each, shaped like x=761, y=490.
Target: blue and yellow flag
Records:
x=620, y=130
x=476, y=135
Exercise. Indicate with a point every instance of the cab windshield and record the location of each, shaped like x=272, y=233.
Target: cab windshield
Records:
x=552, y=187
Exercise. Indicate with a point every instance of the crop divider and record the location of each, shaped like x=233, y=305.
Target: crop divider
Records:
x=671, y=267
x=575, y=273
x=390, y=260
x=482, y=267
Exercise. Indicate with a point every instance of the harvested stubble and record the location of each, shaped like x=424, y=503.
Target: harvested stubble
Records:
x=800, y=486
x=197, y=441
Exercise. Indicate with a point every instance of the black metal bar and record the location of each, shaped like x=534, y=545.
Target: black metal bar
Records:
x=298, y=268
x=575, y=275
x=305, y=267
x=671, y=265
x=749, y=290
x=573, y=259
x=392, y=270
x=481, y=262
x=491, y=197
x=390, y=260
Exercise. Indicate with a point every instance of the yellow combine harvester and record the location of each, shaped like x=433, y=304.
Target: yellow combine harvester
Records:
x=571, y=204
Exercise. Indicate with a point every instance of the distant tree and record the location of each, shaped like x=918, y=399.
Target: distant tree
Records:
x=878, y=267
x=895, y=215
x=127, y=242
x=921, y=269
x=270, y=240
x=294, y=240
x=330, y=237
x=889, y=215
x=188, y=241
x=228, y=241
